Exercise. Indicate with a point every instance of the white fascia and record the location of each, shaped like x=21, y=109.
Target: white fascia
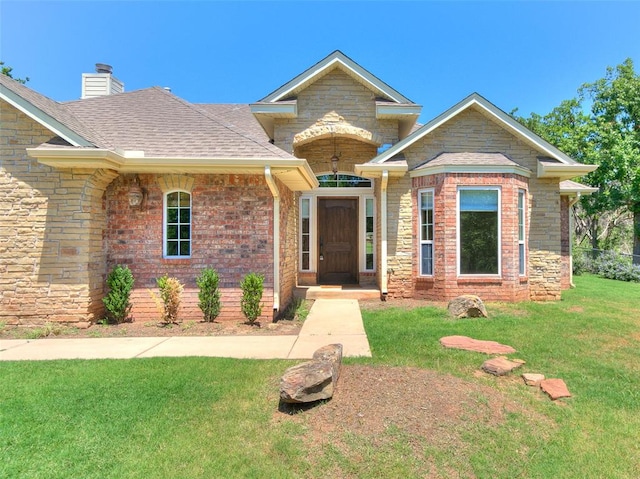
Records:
x=563, y=171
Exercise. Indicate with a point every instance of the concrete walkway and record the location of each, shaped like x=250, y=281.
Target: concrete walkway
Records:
x=329, y=321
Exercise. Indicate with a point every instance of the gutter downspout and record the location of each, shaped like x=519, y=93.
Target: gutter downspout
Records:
x=276, y=236
x=384, y=287
x=571, y=228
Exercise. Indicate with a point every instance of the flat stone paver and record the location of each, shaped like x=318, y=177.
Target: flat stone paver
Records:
x=476, y=345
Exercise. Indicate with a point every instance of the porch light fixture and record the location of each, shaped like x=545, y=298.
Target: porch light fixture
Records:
x=136, y=195
x=335, y=157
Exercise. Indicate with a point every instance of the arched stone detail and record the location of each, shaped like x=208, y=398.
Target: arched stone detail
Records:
x=176, y=182
x=333, y=125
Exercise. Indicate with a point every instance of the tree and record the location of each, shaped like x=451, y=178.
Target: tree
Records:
x=606, y=134
x=6, y=70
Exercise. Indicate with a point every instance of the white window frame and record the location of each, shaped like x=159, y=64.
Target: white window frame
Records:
x=522, y=232
x=458, y=239
x=311, y=251
x=422, y=241
x=363, y=232
x=164, y=225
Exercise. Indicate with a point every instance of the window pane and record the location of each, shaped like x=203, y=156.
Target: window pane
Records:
x=185, y=231
x=305, y=208
x=172, y=199
x=426, y=267
x=305, y=260
x=305, y=225
x=185, y=215
x=369, y=262
x=172, y=248
x=185, y=248
x=185, y=199
x=478, y=242
x=478, y=200
x=369, y=225
x=521, y=257
x=305, y=242
x=172, y=232
x=172, y=215
x=369, y=207
x=426, y=202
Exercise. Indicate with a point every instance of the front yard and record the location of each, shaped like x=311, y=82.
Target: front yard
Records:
x=413, y=410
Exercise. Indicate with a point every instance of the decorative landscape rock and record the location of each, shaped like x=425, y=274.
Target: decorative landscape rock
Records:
x=555, y=388
x=532, y=379
x=500, y=366
x=313, y=380
x=467, y=306
x=477, y=345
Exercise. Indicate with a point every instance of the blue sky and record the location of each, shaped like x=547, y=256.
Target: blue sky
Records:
x=530, y=55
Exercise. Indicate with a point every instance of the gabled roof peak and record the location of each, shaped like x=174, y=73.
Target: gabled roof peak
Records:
x=334, y=60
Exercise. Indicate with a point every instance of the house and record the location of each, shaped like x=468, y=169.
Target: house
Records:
x=326, y=180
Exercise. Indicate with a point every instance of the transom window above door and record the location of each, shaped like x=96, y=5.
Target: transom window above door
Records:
x=343, y=180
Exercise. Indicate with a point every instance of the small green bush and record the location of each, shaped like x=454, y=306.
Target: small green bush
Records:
x=252, y=286
x=120, y=282
x=209, y=294
x=170, y=296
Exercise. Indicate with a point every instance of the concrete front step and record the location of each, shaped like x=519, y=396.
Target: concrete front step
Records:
x=347, y=291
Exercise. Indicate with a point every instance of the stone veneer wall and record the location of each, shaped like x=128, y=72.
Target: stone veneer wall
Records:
x=232, y=220
x=339, y=94
x=288, y=244
x=565, y=213
x=472, y=131
x=50, y=231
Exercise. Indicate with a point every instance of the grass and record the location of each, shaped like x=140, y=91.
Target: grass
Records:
x=211, y=417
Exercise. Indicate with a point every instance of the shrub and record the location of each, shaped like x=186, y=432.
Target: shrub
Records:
x=170, y=297
x=209, y=294
x=614, y=266
x=120, y=282
x=252, y=286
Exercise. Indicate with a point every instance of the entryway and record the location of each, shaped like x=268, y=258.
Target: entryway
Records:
x=337, y=240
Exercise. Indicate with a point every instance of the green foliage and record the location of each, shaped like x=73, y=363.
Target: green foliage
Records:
x=252, y=286
x=601, y=126
x=120, y=282
x=607, y=264
x=7, y=71
x=170, y=297
x=209, y=294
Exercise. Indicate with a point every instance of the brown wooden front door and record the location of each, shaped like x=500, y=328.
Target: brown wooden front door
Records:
x=337, y=240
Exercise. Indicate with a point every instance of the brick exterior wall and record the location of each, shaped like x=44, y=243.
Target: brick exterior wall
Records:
x=232, y=221
x=288, y=244
x=51, y=230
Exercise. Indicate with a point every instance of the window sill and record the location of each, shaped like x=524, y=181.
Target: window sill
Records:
x=175, y=260
x=479, y=280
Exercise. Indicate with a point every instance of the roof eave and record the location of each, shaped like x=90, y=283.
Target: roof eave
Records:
x=369, y=170
x=295, y=173
x=471, y=169
x=563, y=171
x=43, y=118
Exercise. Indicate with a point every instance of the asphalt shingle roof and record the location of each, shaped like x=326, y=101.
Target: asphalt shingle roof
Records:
x=468, y=159
x=163, y=125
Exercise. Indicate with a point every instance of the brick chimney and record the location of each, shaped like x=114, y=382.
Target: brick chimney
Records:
x=100, y=83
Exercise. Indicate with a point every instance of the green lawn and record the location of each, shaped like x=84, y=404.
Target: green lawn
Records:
x=210, y=418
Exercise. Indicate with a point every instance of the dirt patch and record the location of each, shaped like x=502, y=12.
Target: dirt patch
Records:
x=154, y=329
x=425, y=410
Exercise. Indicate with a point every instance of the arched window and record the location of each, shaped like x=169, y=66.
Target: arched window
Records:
x=177, y=225
x=343, y=180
